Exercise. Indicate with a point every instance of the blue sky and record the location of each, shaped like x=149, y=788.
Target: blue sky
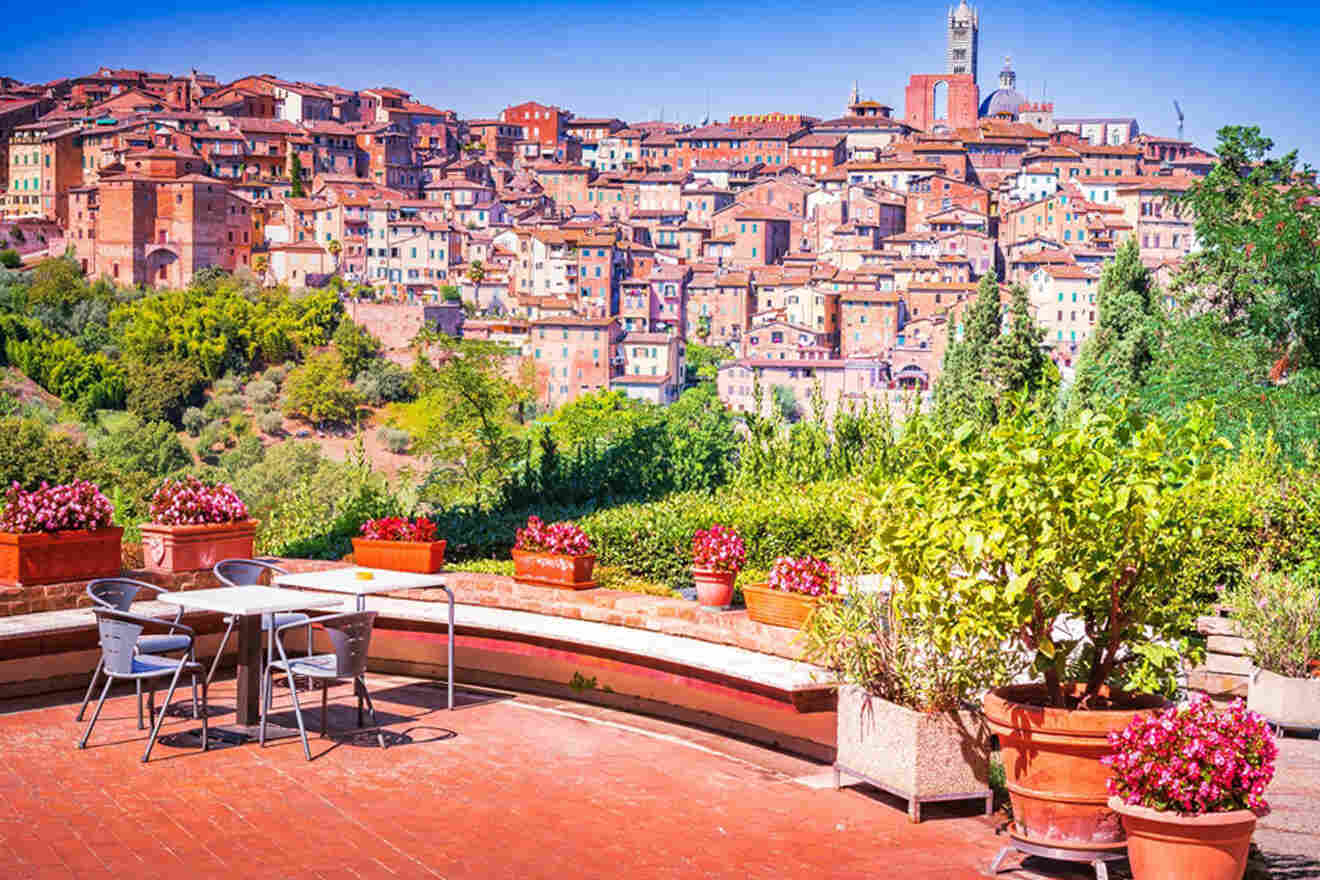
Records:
x=1225, y=65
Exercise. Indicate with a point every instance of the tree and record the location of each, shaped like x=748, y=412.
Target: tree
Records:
x=1257, y=224
x=356, y=346
x=10, y=259
x=702, y=443
x=161, y=390
x=296, y=176
x=476, y=272
x=31, y=453
x=260, y=264
x=785, y=403
x=961, y=392
x=1114, y=361
x=1017, y=359
x=335, y=249
x=150, y=448
x=703, y=362
x=319, y=390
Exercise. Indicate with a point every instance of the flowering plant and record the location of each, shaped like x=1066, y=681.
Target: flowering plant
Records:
x=76, y=505
x=804, y=574
x=719, y=548
x=560, y=537
x=397, y=528
x=190, y=502
x=1193, y=760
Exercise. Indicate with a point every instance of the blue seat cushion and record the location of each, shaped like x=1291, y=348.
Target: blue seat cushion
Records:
x=319, y=666
x=150, y=664
x=161, y=644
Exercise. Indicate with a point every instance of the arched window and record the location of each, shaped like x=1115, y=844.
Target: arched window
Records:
x=939, y=103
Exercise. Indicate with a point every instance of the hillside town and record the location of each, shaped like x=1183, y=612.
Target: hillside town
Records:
x=837, y=254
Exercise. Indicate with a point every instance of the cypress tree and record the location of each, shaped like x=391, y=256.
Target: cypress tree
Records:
x=961, y=392
x=296, y=175
x=1114, y=361
x=1017, y=358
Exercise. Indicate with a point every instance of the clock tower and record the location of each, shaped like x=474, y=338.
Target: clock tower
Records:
x=963, y=38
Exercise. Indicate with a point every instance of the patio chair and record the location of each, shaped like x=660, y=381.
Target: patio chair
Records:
x=121, y=633
x=246, y=573
x=118, y=594
x=350, y=637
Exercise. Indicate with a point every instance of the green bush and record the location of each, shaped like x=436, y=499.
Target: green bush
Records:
x=261, y=392
x=31, y=453
x=194, y=420
x=277, y=374
x=1279, y=616
x=271, y=423
x=215, y=433
x=10, y=259
x=227, y=385
x=394, y=440
x=151, y=448
x=383, y=381
x=160, y=392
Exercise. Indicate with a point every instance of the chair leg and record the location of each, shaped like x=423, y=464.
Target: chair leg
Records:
x=193, y=658
x=220, y=652
x=151, y=700
x=380, y=734
x=265, y=704
x=91, y=686
x=82, y=743
x=160, y=718
x=206, y=733
x=138, y=684
x=325, y=697
x=297, y=712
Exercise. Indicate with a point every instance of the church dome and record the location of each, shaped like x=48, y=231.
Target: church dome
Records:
x=1006, y=98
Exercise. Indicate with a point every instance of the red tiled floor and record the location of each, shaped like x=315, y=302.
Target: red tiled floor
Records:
x=522, y=787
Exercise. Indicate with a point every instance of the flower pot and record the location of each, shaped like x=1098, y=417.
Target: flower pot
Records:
x=195, y=547
x=553, y=570
x=420, y=557
x=54, y=557
x=778, y=607
x=1052, y=763
x=916, y=755
x=1168, y=846
x=714, y=588
x=1287, y=702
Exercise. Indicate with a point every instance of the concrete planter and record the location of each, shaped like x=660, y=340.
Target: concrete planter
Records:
x=195, y=547
x=917, y=755
x=1287, y=702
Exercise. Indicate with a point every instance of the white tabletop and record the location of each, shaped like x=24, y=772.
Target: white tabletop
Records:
x=345, y=580
x=247, y=600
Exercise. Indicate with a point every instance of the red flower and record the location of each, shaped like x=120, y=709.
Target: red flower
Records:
x=397, y=528
x=562, y=537
x=804, y=574
x=719, y=548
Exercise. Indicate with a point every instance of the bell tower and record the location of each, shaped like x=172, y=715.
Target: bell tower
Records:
x=964, y=35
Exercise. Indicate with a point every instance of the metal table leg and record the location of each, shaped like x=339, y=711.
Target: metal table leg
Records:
x=450, y=594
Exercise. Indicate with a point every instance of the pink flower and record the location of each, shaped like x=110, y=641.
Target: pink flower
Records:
x=719, y=548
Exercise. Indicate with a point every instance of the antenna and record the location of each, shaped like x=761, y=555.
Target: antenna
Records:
x=1180, y=119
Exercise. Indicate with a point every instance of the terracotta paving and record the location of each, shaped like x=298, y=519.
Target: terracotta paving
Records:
x=506, y=786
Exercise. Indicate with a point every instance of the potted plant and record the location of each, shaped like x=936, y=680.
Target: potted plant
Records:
x=1278, y=615
x=194, y=525
x=1060, y=538
x=553, y=555
x=718, y=554
x=57, y=533
x=399, y=544
x=1190, y=784
x=792, y=591
x=906, y=720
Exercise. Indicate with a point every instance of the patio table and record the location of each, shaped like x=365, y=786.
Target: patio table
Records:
x=346, y=580
x=248, y=604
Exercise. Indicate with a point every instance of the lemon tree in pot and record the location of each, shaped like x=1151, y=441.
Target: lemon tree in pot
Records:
x=1061, y=539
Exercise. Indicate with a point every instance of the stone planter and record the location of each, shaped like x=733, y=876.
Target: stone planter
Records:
x=921, y=756
x=419, y=557
x=1052, y=766
x=714, y=588
x=1286, y=702
x=778, y=607
x=553, y=570
x=1167, y=846
x=195, y=547
x=54, y=557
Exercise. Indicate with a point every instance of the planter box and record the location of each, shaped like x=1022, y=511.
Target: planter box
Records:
x=55, y=557
x=916, y=755
x=194, y=548
x=1287, y=702
x=714, y=588
x=419, y=557
x=553, y=570
x=777, y=607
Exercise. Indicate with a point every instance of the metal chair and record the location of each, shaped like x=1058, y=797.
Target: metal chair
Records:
x=350, y=637
x=121, y=633
x=246, y=573
x=118, y=594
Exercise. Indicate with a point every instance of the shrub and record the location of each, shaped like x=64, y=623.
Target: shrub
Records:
x=271, y=423
x=152, y=448
x=10, y=259
x=486, y=566
x=394, y=440
x=31, y=453
x=261, y=392
x=276, y=374
x=1193, y=760
x=396, y=528
x=190, y=501
x=215, y=433
x=194, y=420
x=803, y=574
x=319, y=390
x=230, y=403
x=384, y=381
x=356, y=346
x=1279, y=616
x=560, y=537
x=718, y=548
x=227, y=385
x=76, y=505
x=160, y=392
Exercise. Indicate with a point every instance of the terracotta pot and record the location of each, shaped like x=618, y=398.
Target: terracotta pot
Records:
x=54, y=557
x=778, y=607
x=1314, y=667
x=193, y=548
x=553, y=570
x=420, y=557
x=1052, y=763
x=714, y=588
x=1167, y=846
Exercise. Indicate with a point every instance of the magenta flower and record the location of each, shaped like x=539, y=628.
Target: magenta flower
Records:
x=189, y=501
x=719, y=548
x=74, y=506
x=562, y=537
x=804, y=574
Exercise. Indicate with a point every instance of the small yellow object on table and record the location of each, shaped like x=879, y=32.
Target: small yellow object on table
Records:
x=365, y=576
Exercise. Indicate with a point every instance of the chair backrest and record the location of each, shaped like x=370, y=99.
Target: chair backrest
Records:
x=244, y=572
x=350, y=636
x=119, y=633
x=115, y=593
